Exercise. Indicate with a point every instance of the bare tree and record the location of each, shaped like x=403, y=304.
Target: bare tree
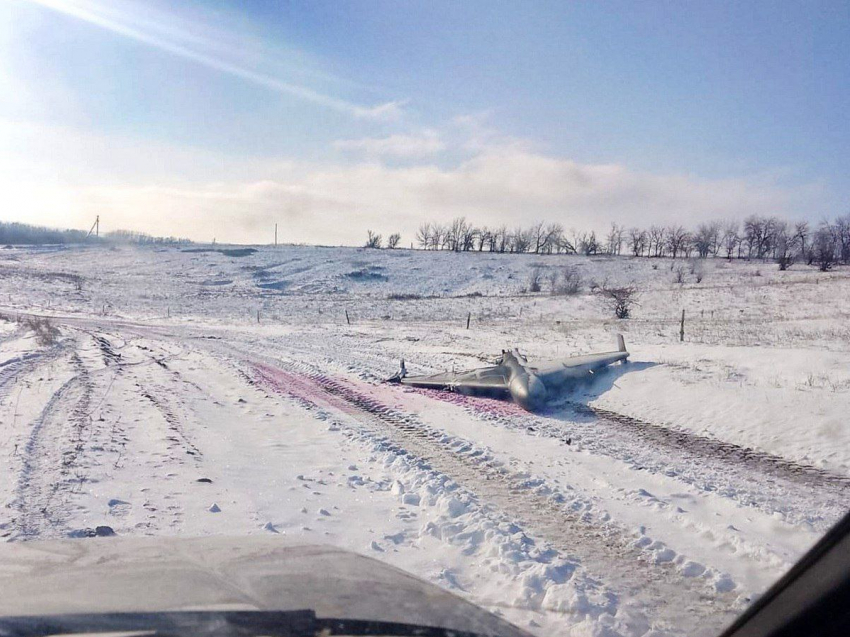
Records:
x=392, y=240
x=520, y=241
x=455, y=234
x=373, y=240
x=753, y=232
x=423, y=236
x=588, y=244
x=841, y=231
x=483, y=237
x=565, y=245
x=785, y=260
x=801, y=236
x=677, y=237
x=772, y=228
x=614, y=239
x=783, y=247
x=759, y=235
x=824, y=248
x=716, y=231
x=730, y=238
x=470, y=234
x=657, y=236
x=638, y=240
x=537, y=237
x=552, y=238
x=502, y=239
x=459, y=235
x=704, y=239
x=438, y=236
x=493, y=240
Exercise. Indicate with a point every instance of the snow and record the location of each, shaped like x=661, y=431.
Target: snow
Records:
x=213, y=392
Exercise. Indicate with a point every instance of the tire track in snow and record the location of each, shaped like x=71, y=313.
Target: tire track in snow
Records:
x=14, y=368
x=177, y=435
x=157, y=394
x=704, y=447
x=603, y=549
x=749, y=477
x=50, y=465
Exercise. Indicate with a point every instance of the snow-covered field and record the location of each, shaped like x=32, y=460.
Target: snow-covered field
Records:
x=200, y=391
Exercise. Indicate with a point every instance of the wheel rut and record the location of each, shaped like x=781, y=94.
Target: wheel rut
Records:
x=749, y=477
x=698, y=446
x=51, y=466
x=570, y=527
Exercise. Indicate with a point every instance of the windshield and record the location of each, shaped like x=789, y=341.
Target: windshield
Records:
x=544, y=305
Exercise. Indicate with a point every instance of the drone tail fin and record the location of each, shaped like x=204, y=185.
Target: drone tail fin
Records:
x=621, y=343
x=401, y=373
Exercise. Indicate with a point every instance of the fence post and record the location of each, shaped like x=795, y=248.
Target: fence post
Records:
x=468, y=318
x=347, y=320
x=682, y=328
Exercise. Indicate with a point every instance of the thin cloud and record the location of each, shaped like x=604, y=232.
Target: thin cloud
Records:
x=175, y=190
x=389, y=111
x=422, y=145
x=165, y=37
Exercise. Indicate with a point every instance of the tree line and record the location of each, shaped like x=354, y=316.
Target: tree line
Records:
x=757, y=237
x=15, y=233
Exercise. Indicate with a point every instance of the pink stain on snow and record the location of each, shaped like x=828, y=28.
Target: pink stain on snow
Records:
x=486, y=406
x=337, y=393
x=299, y=386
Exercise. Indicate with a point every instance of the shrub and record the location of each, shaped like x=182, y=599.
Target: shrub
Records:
x=695, y=268
x=785, y=261
x=534, y=279
x=409, y=296
x=373, y=240
x=568, y=283
x=595, y=286
x=621, y=300
x=46, y=333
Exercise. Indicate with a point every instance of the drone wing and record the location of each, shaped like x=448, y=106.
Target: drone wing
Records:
x=579, y=366
x=485, y=378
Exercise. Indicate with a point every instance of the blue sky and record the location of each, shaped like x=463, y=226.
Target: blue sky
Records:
x=221, y=118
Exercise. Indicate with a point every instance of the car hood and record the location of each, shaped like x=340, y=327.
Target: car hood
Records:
x=156, y=575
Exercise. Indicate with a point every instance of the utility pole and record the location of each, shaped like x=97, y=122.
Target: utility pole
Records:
x=275, y=234
x=95, y=227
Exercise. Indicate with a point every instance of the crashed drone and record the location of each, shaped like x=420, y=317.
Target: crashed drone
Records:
x=530, y=385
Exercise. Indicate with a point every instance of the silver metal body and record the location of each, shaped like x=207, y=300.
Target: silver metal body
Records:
x=528, y=384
